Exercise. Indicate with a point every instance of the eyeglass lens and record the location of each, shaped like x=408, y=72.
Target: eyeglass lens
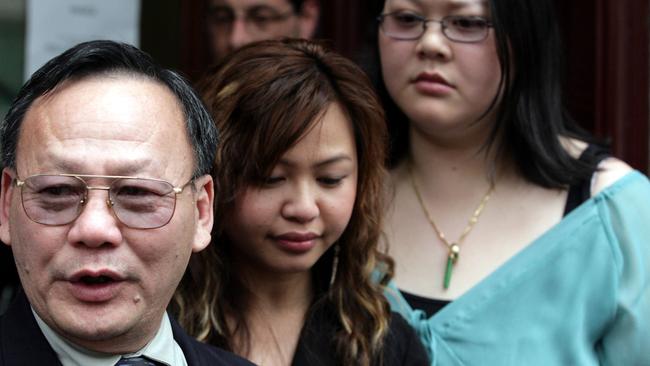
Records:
x=137, y=202
x=408, y=26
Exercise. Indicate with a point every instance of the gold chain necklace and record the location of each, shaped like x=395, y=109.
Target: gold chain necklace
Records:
x=452, y=247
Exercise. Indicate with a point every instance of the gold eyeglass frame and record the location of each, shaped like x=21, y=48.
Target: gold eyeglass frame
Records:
x=20, y=183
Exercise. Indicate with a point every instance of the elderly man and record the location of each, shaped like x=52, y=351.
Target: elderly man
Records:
x=105, y=194
x=235, y=23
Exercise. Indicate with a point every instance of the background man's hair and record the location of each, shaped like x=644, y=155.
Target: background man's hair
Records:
x=297, y=5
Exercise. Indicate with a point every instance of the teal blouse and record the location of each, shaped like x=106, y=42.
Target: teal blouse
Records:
x=577, y=295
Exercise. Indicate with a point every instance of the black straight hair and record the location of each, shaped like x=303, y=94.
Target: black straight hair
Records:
x=531, y=116
x=96, y=58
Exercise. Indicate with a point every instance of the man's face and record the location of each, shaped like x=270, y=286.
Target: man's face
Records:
x=97, y=282
x=235, y=23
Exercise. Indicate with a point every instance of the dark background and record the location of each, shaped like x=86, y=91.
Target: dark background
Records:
x=606, y=44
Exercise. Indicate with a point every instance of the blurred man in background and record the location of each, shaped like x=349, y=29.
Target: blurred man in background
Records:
x=234, y=23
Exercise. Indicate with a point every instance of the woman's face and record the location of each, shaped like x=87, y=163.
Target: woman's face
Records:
x=285, y=225
x=443, y=86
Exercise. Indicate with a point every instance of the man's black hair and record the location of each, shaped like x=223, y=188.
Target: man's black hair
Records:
x=96, y=58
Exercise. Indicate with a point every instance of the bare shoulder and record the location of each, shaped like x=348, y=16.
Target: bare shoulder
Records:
x=573, y=146
x=609, y=171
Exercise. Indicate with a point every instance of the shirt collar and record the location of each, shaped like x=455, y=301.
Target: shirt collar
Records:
x=162, y=348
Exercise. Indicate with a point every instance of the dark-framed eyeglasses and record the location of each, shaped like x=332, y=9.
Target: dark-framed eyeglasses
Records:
x=256, y=18
x=408, y=26
x=58, y=199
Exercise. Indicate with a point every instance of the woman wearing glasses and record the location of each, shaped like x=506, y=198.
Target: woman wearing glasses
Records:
x=517, y=240
x=290, y=277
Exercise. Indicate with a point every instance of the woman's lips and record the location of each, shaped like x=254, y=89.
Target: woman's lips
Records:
x=432, y=84
x=296, y=243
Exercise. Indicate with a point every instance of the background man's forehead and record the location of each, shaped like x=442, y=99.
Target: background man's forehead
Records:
x=251, y=3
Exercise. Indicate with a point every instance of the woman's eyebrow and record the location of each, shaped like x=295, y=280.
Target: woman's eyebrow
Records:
x=330, y=160
x=334, y=159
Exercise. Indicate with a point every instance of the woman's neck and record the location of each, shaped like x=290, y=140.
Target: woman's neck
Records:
x=445, y=166
x=275, y=309
x=455, y=153
x=279, y=292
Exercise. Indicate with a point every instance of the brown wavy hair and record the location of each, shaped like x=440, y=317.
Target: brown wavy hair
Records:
x=264, y=98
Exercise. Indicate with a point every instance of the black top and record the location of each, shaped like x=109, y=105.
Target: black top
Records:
x=428, y=305
x=402, y=347
x=23, y=343
x=578, y=193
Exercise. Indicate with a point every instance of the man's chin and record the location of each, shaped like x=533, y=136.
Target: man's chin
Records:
x=106, y=329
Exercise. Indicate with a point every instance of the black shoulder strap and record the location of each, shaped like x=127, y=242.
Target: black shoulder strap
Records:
x=580, y=192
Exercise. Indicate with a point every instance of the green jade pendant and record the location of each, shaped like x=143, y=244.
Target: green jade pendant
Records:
x=454, y=251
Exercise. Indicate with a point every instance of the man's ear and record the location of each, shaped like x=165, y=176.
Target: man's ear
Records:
x=309, y=14
x=204, y=205
x=6, y=193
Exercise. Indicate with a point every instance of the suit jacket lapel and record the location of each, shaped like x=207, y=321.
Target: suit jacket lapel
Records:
x=21, y=340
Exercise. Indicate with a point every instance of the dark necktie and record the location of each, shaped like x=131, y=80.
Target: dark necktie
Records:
x=137, y=361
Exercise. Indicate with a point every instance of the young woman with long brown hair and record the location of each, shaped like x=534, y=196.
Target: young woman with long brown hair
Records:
x=292, y=276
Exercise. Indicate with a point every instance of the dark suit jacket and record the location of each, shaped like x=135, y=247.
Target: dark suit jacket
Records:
x=23, y=343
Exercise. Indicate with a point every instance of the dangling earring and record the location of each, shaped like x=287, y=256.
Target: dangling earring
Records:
x=335, y=264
